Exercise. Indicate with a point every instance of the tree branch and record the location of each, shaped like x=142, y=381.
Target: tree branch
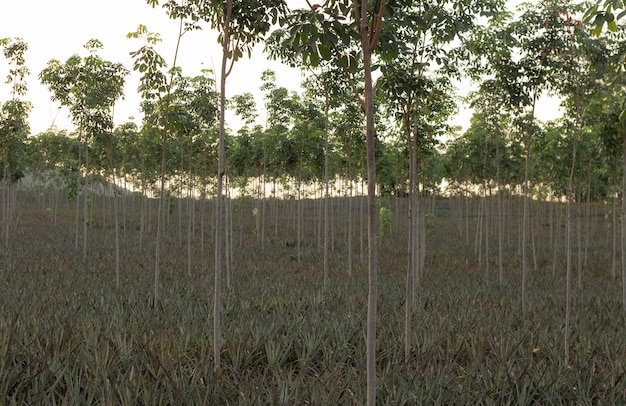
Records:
x=377, y=26
x=354, y=89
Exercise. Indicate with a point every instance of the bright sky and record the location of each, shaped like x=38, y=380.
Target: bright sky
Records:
x=57, y=29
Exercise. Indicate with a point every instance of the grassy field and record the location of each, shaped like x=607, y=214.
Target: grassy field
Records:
x=68, y=336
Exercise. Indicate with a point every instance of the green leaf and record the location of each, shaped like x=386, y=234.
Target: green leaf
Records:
x=597, y=31
x=612, y=26
x=325, y=52
x=315, y=59
x=345, y=38
x=616, y=4
x=599, y=22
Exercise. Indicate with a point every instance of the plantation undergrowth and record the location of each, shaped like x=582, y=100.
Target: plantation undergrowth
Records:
x=68, y=336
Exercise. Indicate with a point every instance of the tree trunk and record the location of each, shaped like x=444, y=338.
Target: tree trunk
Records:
x=587, y=216
x=350, y=220
x=77, y=197
x=623, y=243
x=614, y=237
x=500, y=220
x=326, y=195
x=557, y=232
x=220, y=180
x=525, y=227
x=412, y=263
x=372, y=302
x=568, y=282
x=86, y=202
x=579, y=236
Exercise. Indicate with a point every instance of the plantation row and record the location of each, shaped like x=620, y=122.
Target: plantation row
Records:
x=69, y=335
x=390, y=136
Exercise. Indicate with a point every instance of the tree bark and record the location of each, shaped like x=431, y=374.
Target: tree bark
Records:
x=220, y=180
x=326, y=179
x=623, y=243
x=372, y=301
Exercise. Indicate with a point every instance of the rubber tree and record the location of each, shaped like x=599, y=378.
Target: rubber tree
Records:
x=574, y=85
x=155, y=88
x=55, y=154
x=349, y=133
x=241, y=25
x=602, y=119
x=14, y=129
x=327, y=83
x=491, y=49
x=343, y=21
x=522, y=70
x=89, y=87
x=422, y=105
x=193, y=111
x=281, y=109
x=325, y=87
x=425, y=31
x=608, y=13
x=566, y=53
x=490, y=100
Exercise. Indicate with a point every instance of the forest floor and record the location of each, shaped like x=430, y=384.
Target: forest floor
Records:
x=68, y=335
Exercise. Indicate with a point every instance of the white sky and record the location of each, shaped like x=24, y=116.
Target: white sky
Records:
x=57, y=29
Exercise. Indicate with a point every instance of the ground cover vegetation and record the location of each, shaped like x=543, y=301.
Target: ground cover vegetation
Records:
x=69, y=334
x=348, y=246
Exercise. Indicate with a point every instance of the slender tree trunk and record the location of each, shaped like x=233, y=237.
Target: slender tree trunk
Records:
x=116, y=216
x=350, y=215
x=228, y=233
x=161, y=208
x=533, y=208
x=77, y=202
x=142, y=215
x=579, y=243
x=557, y=232
x=160, y=219
x=86, y=208
x=299, y=206
x=190, y=210
x=362, y=222
x=500, y=220
x=568, y=282
x=417, y=242
x=525, y=227
x=468, y=201
x=623, y=243
x=412, y=238
x=220, y=180
x=326, y=195
x=276, y=210
x=487, y=232
x=6, y=184
x=614, y=232
x=478, y=249
x=372, y=302
x=588, y=216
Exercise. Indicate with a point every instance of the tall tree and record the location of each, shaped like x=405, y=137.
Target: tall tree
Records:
x=89, y=87
x=156, y=88
x=241, y=24
x=604, y=13
x=425, y=32
x=341, y=21
x=14, y=129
